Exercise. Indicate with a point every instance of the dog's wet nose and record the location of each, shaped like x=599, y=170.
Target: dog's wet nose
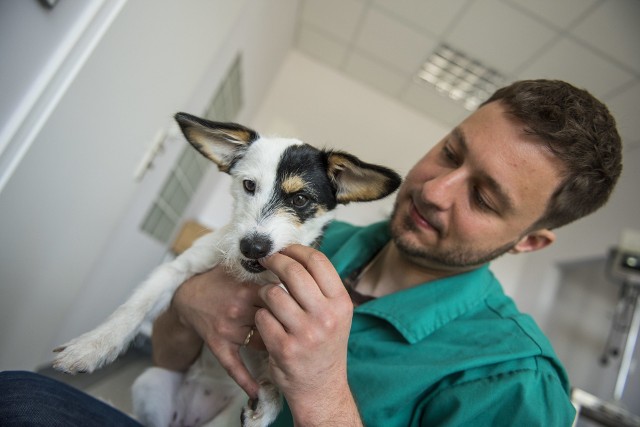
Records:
x=255, y=246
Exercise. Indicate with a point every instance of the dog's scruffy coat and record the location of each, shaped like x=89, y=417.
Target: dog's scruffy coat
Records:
x=284, y=192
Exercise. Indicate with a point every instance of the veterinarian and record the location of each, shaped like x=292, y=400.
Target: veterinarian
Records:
x=422, y=334
x=401, y=323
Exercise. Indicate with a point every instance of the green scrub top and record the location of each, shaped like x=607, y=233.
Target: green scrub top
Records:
x=451, y=352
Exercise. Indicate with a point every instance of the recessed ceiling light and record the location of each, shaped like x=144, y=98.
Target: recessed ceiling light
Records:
x=460, y=77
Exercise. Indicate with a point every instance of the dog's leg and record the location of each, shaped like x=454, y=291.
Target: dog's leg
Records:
x=154, y=396
x=229, y=415
x=163, y=398
x=264, y=410
x=103, y=344
x=205, y=394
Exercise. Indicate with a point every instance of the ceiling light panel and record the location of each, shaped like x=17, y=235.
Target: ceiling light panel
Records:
x=460, y=77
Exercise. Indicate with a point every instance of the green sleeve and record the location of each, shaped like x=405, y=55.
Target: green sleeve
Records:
x=522, y=398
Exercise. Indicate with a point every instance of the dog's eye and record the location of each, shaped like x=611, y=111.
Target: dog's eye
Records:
x=300, y=201
x=249, y=186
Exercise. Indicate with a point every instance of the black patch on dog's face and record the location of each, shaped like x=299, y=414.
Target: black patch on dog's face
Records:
x=307, y=166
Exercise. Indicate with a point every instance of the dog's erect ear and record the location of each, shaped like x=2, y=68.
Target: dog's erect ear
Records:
x=358, y=181
x=222, y=143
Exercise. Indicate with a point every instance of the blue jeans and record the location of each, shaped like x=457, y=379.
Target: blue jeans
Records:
x=30, y=399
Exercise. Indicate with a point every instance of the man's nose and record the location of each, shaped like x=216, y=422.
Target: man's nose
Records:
x=443, y=190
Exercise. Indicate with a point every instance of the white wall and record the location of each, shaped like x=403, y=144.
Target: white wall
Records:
x=63, y=210
x=34, y=41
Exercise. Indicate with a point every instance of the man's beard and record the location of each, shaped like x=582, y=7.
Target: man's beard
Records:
x=456, y=258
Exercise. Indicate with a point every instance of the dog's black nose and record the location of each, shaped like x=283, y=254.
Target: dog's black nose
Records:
x=255, y=246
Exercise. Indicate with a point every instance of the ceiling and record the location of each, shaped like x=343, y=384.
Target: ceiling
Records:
x=594, y=44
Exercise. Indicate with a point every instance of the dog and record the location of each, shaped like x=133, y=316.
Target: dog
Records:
x=285, y=192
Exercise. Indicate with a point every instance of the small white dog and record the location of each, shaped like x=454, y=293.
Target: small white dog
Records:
x=284, y=193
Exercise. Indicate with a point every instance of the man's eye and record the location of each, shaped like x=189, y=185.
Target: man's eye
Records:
x=299, y=200
x=450, y=155
x=480, y=201
x=249, y=186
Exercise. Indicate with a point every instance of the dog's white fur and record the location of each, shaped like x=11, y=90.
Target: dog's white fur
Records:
x=165, y=398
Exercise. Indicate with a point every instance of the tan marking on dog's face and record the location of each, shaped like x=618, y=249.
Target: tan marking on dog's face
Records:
x=321, y=211
x=293, y=184
x=292, y=219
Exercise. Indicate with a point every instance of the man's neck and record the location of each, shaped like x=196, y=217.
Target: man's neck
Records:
x=390, y=271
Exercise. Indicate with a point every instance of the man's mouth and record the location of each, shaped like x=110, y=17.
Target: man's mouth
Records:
x=425, y=221
x=252, y=266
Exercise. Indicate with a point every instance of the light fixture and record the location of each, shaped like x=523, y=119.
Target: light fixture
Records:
x=460, y=77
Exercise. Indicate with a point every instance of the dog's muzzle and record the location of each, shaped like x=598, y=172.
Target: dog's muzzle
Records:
x=254, y=247
x=252, y=266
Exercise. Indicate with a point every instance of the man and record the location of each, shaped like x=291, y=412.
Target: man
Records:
x=432, y=340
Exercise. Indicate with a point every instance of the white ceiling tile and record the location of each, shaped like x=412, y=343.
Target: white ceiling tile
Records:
x=559, y=13
x=337, y=17
x=499, y=35
x=625, y=108
x=387, y=37
x=395, y=44
x=375, y=74
x=434, y=16
x=321, y=47
x=614, y=28
x=428, y=100
x=570, y=61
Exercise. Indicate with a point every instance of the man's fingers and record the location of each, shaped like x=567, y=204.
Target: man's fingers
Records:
x=283, y=307
x=320, y=268
x=269, y=326
x=231, y=361
x=298, y=281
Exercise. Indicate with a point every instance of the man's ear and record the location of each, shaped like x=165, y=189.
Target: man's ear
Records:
x=534, y=241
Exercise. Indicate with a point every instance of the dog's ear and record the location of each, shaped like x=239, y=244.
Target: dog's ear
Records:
x=357, y=181
x=222, y=143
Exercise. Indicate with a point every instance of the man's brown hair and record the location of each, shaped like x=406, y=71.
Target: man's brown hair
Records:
x=580, y=132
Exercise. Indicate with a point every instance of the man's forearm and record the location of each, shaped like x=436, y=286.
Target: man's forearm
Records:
x=175, y=345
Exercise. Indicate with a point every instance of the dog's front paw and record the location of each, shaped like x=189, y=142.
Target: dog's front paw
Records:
x=85, y=354
x=264, y=410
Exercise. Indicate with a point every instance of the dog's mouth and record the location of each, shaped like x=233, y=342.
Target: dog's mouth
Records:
x=252, y=265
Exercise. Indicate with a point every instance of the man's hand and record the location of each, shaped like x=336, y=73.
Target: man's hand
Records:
x=211, y=307
x=306, y=333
